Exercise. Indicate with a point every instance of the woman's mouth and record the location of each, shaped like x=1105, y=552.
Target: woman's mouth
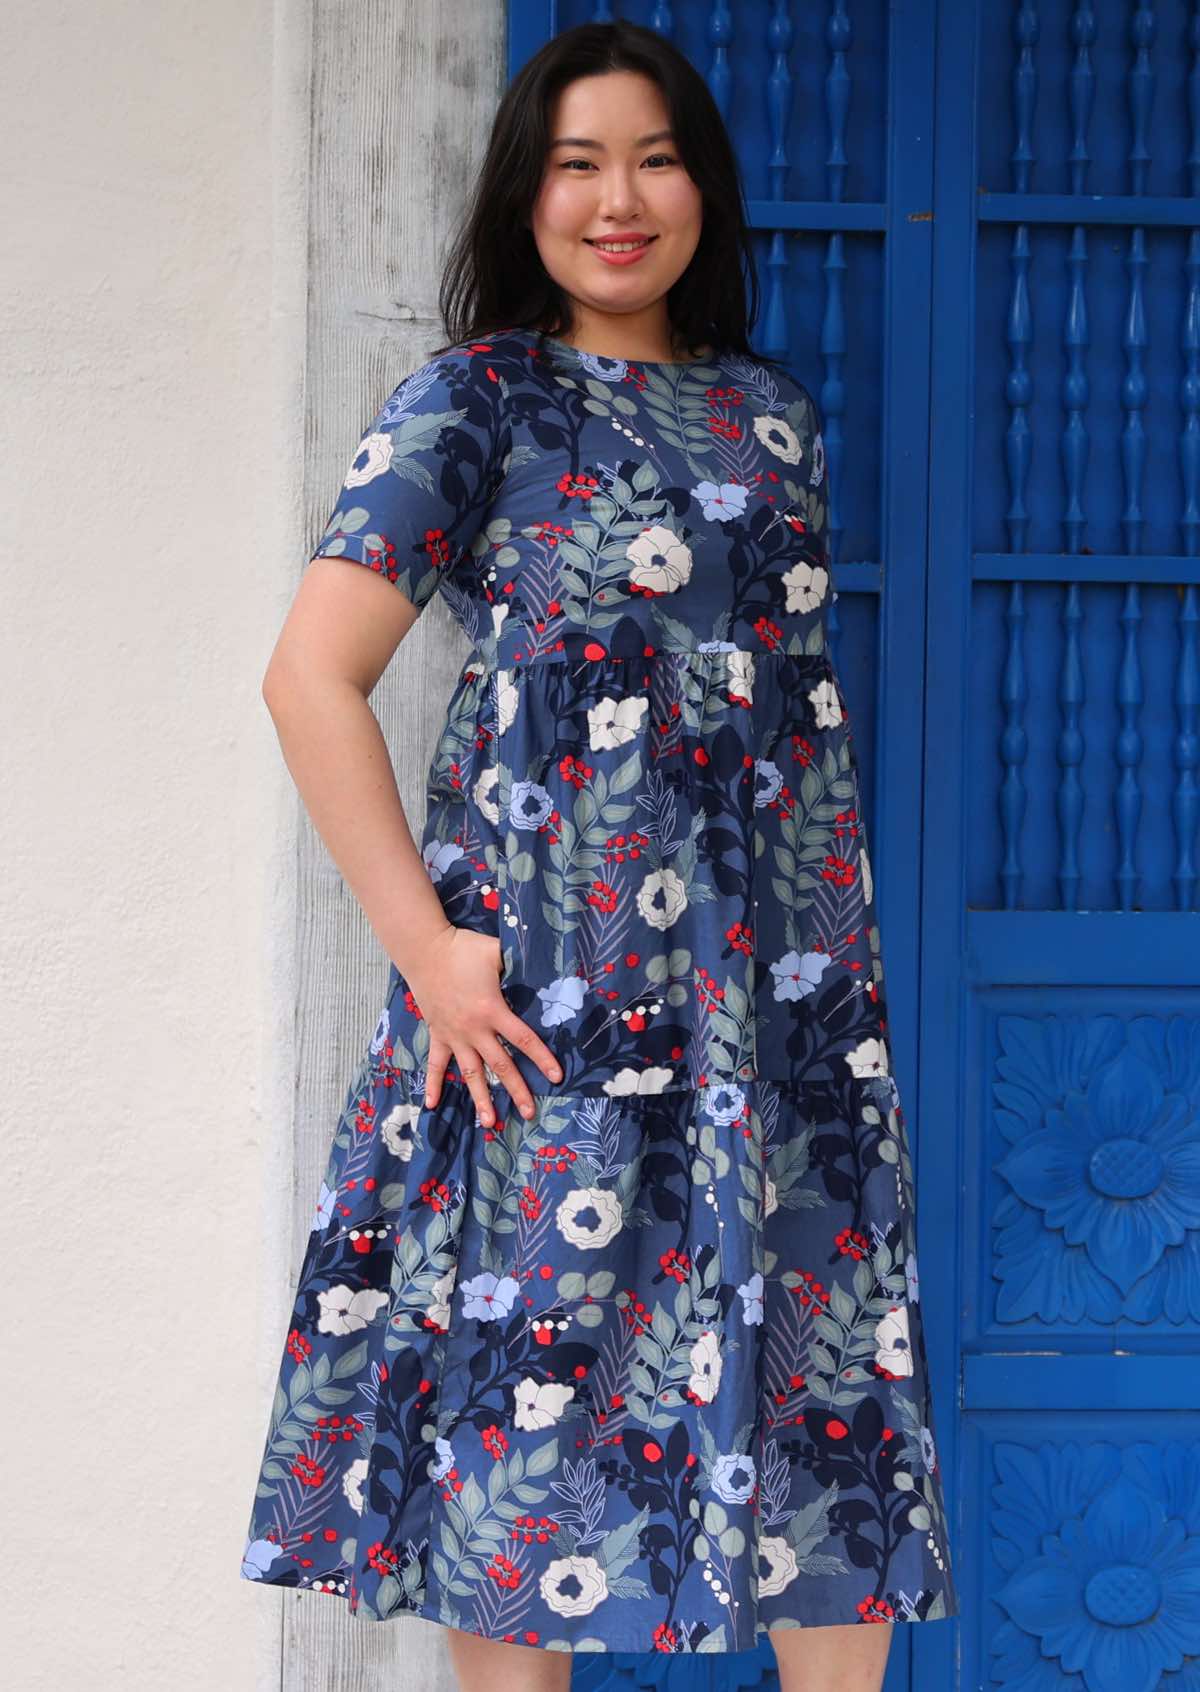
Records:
x=621, y=252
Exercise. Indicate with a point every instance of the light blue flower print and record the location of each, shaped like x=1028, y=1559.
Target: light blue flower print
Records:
x=768, y=779
x=751, y=1295
x=795, y=976
x=733, y=1478
x=323, y=1214
x=721, y=501
x=489, y=1296
x=529, y=805
x=257, y=1558
x=561, y=1001
x=444, y=1461
x=724, y=1103
x=441, y=859
x=606, y=369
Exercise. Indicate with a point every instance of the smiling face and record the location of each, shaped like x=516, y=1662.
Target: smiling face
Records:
x=612, y=175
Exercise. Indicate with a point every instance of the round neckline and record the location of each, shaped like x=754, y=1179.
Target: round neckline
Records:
x=650, y=363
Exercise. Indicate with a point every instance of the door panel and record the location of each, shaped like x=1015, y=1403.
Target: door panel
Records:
x=1060, y=1047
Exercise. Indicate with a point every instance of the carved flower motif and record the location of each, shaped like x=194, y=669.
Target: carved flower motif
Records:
x=1105, y=1563
x=1104, y=1146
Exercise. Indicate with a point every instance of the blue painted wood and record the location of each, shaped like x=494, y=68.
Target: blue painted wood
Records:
x=1069, y=1382
x=978, y=226
x=1091, y=948
x=1060, y=1051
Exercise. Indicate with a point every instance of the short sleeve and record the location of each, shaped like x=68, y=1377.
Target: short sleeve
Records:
x=423, y=475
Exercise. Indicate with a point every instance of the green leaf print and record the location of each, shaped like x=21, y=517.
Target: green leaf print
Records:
x=807, y=832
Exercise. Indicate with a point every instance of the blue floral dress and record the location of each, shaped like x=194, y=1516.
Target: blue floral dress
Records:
x=646, y=1372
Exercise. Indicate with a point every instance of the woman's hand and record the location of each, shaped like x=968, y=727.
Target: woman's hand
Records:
x=457, y=986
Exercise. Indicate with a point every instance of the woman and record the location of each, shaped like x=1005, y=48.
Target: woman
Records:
x=608, y=1335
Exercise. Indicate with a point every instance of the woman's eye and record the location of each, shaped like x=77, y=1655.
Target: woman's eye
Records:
x=568, y=164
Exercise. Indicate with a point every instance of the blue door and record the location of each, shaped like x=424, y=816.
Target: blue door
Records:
x=978, y=228
x=1060, y=940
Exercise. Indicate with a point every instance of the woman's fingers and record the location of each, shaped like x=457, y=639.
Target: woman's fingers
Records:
x=470, y=1067
x=507, y=1073
x=527, y=1040
x=435, y=1068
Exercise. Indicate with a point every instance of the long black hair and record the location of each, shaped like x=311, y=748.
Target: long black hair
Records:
x=494, y=277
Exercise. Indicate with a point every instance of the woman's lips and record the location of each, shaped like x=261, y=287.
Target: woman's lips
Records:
x=630, y=257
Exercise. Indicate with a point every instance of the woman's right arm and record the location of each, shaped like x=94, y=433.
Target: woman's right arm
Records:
x=340, y=633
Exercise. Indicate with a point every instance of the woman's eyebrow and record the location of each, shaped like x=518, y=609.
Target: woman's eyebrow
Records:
x=598, y=146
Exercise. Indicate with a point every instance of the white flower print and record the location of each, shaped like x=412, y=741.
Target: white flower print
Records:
x=397, y=1129
x=444, y=1461
x=589, y=1217
x=440, y=1294
x=615, y=722
x=892, y=1350
x=806, y=584
x=667, y=886
x=540, y=1404
x=780, y=438
x=506, y=700
x=777, y=1565
x=661, y=561
x=627, y=1082
x=375, y=453
x=352, y=1484
x=868, y=1058
x=485, y=787
x=705, y=1361
x=741, y=676
x=573, y=1586
x=826, y=704
x=344, y=1311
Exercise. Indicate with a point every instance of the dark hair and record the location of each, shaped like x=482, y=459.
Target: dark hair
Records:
x=494, y=277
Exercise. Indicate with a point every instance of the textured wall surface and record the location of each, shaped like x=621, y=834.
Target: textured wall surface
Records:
x=401, y=107
x=160, y=895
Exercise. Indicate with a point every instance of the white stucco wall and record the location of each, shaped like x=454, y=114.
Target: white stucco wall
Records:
x=153, y=345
